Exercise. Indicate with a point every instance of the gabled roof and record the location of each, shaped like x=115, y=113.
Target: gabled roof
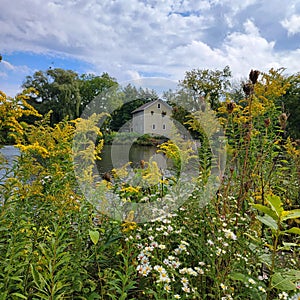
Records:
x=146, y=105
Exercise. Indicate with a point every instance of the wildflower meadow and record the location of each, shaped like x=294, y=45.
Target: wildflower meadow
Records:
x=60, y=239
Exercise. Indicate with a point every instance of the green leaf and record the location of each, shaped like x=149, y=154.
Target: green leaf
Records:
x=42, y=296
x=281, y=283
x=94, y=235
x=266, y=259
x=293, y=230
x=77, y=285
x=16, y=278
x=293, y=274
x=19, y=295
x=38, y=278
x=94, y=296
x=291, y=214
x=268, y=211
x=239, y=276
x=275, y=203
x=3, y=296
x=35, y=275
x=268, y=221
x=287, y=246
x=112, y=240
x=123, y=296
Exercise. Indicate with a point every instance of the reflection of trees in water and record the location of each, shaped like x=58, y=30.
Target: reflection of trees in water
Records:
x=136, y=154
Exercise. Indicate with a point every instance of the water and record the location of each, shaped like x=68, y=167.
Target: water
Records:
x=118, y=155
x=112, y=157
x=10, y=153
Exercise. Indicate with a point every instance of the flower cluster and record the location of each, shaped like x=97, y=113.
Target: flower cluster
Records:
x=164, y=261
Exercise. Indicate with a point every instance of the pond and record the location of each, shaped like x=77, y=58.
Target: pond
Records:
x=115, y=156
x=112, y=157
x=9, y=153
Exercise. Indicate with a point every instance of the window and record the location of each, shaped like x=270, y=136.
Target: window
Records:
x=158, y=105
x=164, y=126
x=153, y=126
x=152, y=112
x=163, y=113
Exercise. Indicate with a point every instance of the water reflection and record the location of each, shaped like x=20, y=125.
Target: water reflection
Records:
x=118, y=155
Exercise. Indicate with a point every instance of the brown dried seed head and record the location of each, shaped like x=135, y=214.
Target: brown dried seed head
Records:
x=230, y=107
x=282, y=119
x=248, y=89
x=267, y=122
x=253, y=76
x=106, y=176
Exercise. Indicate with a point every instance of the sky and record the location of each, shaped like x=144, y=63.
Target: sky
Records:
x=133, y=39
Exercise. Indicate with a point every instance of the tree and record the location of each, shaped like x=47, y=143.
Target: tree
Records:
x=291, y=103
x=65, y=93
x=57, y=90
x=236, y=93
x=132, y=99
x=206, y=84
x=92, y=86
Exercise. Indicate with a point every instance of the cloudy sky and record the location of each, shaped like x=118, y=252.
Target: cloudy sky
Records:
x=130, y=39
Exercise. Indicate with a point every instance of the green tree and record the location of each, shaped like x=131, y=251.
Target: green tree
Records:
x=92, y=86
x=291, y=103
x=132, y=98
x=205, y=84
x=182, y=103
x=57, y=90
x=236, y=93
x=66, y=93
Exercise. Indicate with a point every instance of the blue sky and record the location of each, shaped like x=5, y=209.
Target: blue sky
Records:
x=131, y=39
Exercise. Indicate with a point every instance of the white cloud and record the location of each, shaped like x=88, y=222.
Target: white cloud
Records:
x=14, y=68
x=134, y=37
x=290, y=60
x=242, y=51
x=292, y=25
x=12, y=76
x=134, y=75
x=250, y=28
x=246, y=51
x=7, y=65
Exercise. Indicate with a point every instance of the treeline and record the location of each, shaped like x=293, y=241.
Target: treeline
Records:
x=66, y=94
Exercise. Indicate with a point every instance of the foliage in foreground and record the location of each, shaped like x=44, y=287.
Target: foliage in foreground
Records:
x=244, y=244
